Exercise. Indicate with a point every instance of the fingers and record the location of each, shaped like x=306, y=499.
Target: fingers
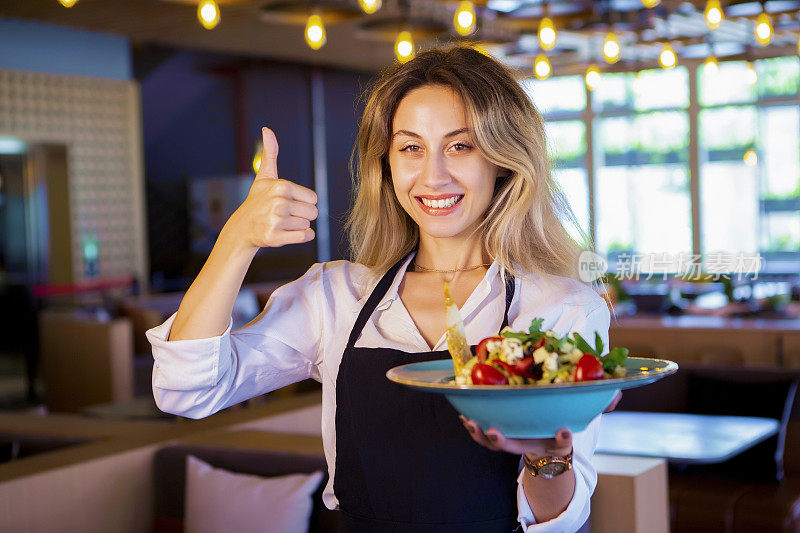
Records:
x=563, y=441
x=614, y=402
x=293, y=237
x=477, y=433
x=269, y=155
x=294, y=224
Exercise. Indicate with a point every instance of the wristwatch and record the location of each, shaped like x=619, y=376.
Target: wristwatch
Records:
x=548, y=467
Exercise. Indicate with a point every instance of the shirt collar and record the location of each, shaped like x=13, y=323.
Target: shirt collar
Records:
x=481, y=291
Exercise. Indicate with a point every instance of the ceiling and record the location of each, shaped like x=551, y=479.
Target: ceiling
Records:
x=274, y=28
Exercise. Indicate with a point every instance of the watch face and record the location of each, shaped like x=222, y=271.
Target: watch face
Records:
x=553, y=469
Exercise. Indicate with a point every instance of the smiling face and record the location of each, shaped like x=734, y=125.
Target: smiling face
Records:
x=439, y=176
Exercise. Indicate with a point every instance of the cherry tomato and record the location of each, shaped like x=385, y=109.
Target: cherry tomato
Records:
x=522, y=366
x=588, y=368
x=481, y=351
x=483, y=374
x=539, y=343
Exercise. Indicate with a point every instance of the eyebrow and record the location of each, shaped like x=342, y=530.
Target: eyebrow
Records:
x=417, y=136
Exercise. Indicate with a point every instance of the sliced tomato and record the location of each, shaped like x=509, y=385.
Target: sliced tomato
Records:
x=588, y=368
x=481, y=351
x=483, y=374
x=503, y=366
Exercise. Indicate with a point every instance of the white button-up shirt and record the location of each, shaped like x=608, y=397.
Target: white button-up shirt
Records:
x=303, y=330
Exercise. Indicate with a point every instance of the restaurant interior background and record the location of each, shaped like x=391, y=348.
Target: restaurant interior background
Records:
x=129, y=131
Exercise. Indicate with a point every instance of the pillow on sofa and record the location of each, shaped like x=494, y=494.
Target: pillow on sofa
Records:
x=218, y=500
x=769, y=398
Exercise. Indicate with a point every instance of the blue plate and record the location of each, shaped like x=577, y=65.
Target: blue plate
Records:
x=529, y=411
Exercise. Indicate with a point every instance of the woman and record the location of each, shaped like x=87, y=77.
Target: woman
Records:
x=452, y=182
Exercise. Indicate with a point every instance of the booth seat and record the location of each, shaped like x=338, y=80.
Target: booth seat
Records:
x=247, y=452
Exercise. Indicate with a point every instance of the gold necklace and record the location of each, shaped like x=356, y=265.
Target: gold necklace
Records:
x=424, y=269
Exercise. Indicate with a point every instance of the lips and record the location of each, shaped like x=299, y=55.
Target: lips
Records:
x=443, y=200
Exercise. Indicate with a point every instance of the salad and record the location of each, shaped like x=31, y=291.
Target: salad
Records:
x=539, y=357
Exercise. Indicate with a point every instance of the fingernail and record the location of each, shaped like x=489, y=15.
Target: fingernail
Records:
x=565, y=434
x=492, y=436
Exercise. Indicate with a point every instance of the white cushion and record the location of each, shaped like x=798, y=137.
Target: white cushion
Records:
x=221, y=501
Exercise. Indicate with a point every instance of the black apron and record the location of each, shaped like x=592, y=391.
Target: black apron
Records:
x=404, y=461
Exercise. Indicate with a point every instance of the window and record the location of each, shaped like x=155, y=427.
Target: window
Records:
x=750, y=161
x=747, y=171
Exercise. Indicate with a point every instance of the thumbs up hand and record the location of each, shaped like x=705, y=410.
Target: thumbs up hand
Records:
x=276, y=211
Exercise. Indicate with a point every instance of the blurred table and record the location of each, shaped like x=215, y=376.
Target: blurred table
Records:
x=682, y=438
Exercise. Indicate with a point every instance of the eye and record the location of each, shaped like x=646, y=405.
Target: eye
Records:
x=410, y=148
x=461, y=146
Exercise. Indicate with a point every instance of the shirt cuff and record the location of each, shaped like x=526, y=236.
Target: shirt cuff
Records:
x=570, y=520
x=187, y=364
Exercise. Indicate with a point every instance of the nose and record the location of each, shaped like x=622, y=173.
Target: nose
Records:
x=435, y=172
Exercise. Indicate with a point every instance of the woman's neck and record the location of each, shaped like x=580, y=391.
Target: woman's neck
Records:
x=450, y=254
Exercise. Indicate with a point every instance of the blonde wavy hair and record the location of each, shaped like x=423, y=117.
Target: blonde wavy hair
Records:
x=523, y=227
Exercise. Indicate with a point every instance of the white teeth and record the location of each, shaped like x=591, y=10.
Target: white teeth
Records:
x=440, y=204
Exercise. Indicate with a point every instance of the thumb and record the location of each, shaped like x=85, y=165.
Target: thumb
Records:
x=269, y=155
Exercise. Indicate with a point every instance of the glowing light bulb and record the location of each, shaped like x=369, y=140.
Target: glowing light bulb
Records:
x=750, y=158
x=257, y=157
x=315, y=32
x=611, y=48
x=404, y=46
x=667, y=57
x=714, y=14
x=763, y=29
x=369, y=6
x=67, y=3
x=711, y=66
x=541, y=67
x=750, y=75
x=650, y=3
x=464, y=18
x=592, y=77
x=208, y=14
x=547, y=34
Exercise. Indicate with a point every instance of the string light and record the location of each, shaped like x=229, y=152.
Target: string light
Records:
x=315, y=32
x=714, y=14
x=369, y=6
x=763, y=30
x=611, y=48
x=547, y=34
x=541, y=67
x=711, y=66
x=404, y=46
x=464, y=18
x=750, y=158
x=750, y=75
x=67, y=3
x=208, y=14
x=592, y=77
x=667, y=57
x=257, y=156
x=650, y=3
